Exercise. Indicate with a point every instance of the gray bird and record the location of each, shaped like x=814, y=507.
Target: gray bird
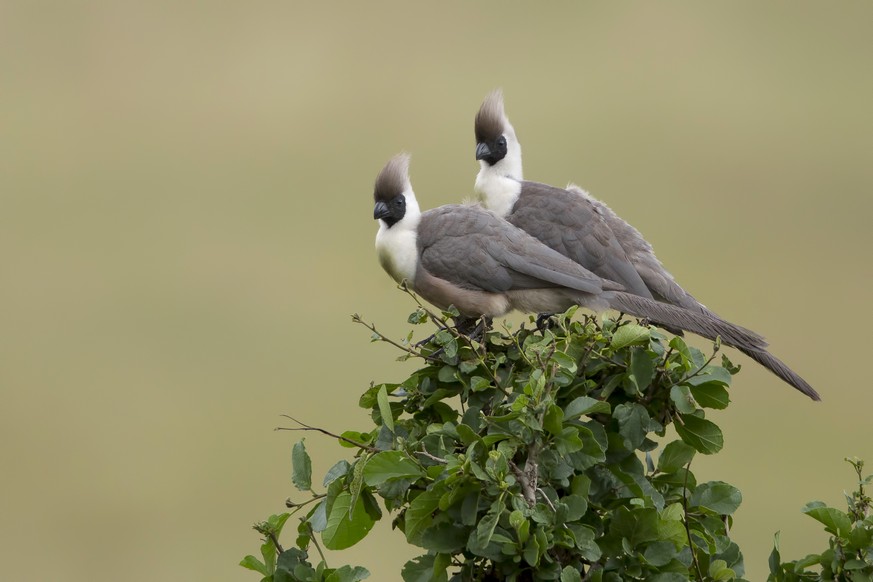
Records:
x=586, y=230
x=467, y=256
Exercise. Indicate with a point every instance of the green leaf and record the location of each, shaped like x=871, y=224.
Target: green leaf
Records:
x=348, y=574
x=467, y=434
x=420, y=569
x=340, y=469
x=419, y=515
x=356, y=484
x=630, y=334
x=570, y=574
x=720, y=497
x=637, y=526
x=642, y=369
x=715, y=374
x=553, y=420
x=565, y=361
x=385, y=408
x=353, y=435
x=675, y=455
x=673, y=512
x=585, y=405
x=447, y=375
x=292, y=566
x=834, y=520
x=588, y=548
x=633, y=423
x=252, y=563
x=318, y=518
x=700, y=433
x=775, y=561
x=418, y=316
x=481, y=536
x=532, y=551
x=342, y=531
x=389, y=465
x=719, y=570
x=861, y=537
x=681, y=397
x=711, y=395
x=479, y=384
x=301, y=467
x=577, y=505
x=444, y=538
x=660, y=553
x=680, y=347
x=568, y=441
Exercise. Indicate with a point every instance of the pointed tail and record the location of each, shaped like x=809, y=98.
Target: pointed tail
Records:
x=779, y=368
x=693, y=321
x=747, y=341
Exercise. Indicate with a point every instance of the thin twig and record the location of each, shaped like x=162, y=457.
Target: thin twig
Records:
x=328, y=433
x=685, y=521
x=700, y=369
x=275, y=542
x=298, y=506
x=443, y=325
x=546, y=497
x=424, y=453
x=315, y=541
x=439, y=321
x=357, y=319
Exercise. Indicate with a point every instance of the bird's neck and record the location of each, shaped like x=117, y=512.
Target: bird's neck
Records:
x=496, y=190
x=397, y=245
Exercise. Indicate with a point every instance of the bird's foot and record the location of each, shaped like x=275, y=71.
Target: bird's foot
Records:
x=544, y=321
x=475, y=329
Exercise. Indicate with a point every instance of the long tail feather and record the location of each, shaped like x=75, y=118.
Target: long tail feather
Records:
x=695, y=322
x=747, y=341
x=779, y=368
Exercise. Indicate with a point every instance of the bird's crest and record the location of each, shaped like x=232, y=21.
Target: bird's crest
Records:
x=393, y=180
x=491, y=119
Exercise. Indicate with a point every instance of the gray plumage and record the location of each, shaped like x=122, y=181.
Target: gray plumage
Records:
x=586, y=230
x=469, y=257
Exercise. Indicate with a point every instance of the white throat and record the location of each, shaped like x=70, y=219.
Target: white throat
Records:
x=396, y=246
x=499, y=186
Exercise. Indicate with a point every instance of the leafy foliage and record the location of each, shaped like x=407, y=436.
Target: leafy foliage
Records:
x=850, y=548
x=530, y=455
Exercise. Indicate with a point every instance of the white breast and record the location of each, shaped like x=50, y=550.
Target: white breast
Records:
x=497, y=193
x=397, y=251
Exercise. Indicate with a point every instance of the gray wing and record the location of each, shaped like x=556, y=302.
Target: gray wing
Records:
x=475, y=249
x=571, y=224
x=642, y=256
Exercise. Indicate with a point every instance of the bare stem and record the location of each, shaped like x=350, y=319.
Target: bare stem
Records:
x=315, y=541
x=528, y=477
x=424, y=453
x=357, y=319
x=306, y=427
x=298, y=506
x=685, y=522
x=275, y=542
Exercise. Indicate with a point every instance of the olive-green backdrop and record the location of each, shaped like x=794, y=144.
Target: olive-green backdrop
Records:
x=186, y=226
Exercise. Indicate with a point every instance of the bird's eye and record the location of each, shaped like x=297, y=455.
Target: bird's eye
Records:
x=501, y=141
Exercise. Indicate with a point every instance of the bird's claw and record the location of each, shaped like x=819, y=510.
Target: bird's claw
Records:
x=544, y=321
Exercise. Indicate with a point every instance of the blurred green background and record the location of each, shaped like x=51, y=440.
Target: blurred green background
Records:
x=186, y=226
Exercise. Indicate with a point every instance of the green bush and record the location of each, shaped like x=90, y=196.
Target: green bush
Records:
x=850, y=548
x=536, y=455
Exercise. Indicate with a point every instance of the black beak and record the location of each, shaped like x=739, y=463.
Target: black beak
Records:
x=482, y=151
x=380, y=210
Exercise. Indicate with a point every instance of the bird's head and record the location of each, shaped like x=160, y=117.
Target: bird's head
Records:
x=496, y=143
x=393, y=193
